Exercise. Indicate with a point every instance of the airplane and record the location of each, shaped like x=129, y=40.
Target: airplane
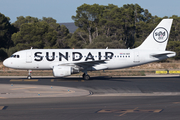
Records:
x=65, y=62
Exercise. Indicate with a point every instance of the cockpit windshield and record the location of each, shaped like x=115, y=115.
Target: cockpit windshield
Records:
x=15, y=56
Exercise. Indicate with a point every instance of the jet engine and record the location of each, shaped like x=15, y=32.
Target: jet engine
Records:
x=62, y=71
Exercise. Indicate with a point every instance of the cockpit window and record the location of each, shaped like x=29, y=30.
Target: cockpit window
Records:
x=12, y=55
x=15, y=56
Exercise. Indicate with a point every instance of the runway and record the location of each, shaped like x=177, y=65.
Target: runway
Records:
x=126, y=98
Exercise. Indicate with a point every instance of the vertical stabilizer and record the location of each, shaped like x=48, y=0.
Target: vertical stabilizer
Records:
x=158, y=38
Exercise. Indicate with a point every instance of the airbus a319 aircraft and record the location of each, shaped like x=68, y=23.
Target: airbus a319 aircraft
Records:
x=65, y=62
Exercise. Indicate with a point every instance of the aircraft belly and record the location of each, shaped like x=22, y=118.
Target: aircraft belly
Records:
x=117, y=64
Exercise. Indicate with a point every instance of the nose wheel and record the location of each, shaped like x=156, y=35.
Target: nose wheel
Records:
x=29, y=77
x=86, y=76
x=29, y=74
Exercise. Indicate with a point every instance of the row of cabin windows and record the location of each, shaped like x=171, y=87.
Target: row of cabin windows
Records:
x=95, y=56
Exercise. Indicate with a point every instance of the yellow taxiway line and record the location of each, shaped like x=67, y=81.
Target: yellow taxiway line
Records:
x=21, y=80
x=1, y=107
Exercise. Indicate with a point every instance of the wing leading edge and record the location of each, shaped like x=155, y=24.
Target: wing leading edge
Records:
x=83, y=64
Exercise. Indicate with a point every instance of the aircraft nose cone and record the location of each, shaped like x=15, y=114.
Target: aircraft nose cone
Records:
x=6, y=63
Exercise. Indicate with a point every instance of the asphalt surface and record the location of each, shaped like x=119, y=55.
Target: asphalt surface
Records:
x=126, y=98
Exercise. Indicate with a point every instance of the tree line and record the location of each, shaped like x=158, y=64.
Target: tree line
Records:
x=99, y=26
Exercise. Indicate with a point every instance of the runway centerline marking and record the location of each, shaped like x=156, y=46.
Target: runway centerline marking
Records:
x=129, y=111
x=3, y=107
x=125, y=111
x=52, y=80
x=34, y=80
x=23, y=88
x=16, y=80
x=3, y=98
x=58, y=80
x=176, y=102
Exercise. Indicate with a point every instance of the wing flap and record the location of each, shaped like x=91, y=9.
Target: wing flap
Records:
x=90, y=63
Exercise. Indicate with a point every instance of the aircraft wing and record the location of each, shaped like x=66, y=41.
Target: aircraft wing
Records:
x=90, y=63
x=84, y=64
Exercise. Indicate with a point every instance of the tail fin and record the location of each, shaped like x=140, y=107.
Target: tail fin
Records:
x=158, y=38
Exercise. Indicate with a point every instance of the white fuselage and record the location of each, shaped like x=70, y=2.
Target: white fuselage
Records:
x=44, y=59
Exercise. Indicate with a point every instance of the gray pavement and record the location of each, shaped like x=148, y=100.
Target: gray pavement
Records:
x=144, y=99
x=31, y=91
x=122, y=86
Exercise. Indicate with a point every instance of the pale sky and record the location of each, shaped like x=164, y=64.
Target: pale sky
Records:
x=62, y=10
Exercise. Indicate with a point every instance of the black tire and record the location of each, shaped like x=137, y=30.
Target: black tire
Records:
x=86, y=77
x=29, y=77
x=83, y=75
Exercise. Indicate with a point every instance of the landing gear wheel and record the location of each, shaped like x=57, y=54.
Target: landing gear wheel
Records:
x=83, y=75
x=29, y=74
x=86, y=77
x=29, y=77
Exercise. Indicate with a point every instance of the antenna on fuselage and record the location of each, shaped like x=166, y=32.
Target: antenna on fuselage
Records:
x=31, y=48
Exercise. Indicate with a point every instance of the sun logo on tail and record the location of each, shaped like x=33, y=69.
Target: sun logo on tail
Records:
x=160, y=35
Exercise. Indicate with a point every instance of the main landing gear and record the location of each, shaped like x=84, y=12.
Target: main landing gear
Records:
x=29, y=74
x=86, y=76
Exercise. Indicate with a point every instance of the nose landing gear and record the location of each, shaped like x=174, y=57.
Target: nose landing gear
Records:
x=29, y=74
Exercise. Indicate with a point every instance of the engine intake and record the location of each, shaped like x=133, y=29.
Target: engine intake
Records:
x=62, y=71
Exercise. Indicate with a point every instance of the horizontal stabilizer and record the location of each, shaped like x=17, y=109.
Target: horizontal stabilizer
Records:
x=167, y=53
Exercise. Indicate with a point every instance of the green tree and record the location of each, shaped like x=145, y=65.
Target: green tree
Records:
x=175, y=30
x=87, y=18
x=21, y=20
x=102, y=42
x=62, y=33
x=174, y=46
x=118, y=24
x=36, y=34
x=6, y=30
x=144, y=28
x=78, y=39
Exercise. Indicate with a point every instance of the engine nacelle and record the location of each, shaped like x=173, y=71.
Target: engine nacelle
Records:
x=62, y=71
